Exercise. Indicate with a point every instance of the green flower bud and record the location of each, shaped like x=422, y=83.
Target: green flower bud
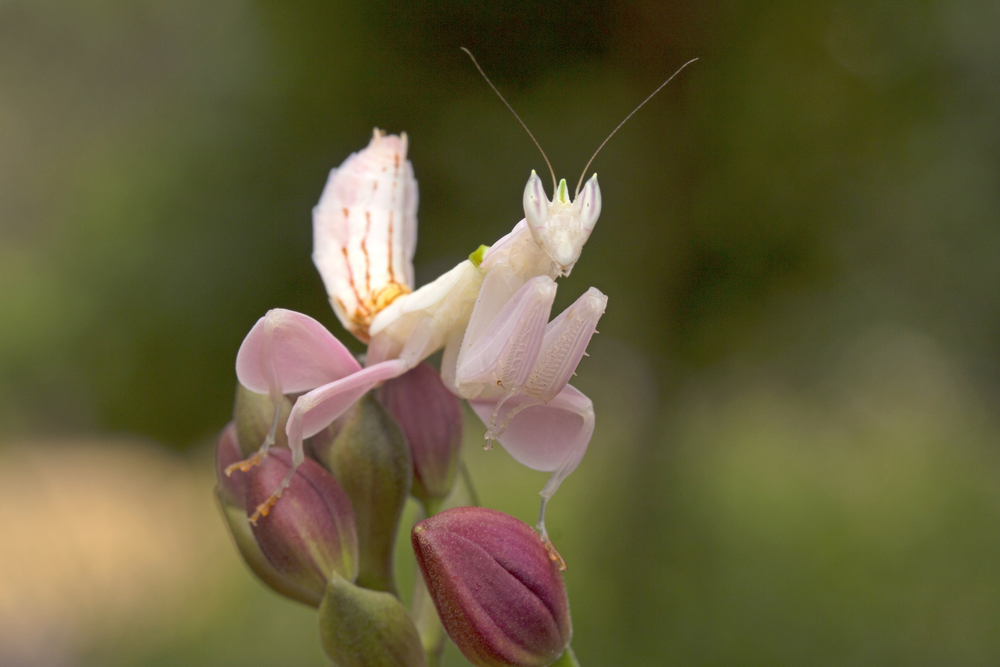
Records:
x=253, y=414
x=500, y=596
x=309, y=535
x=359, y=627
x=431, y=418
x=370, y=458
x=230, y=493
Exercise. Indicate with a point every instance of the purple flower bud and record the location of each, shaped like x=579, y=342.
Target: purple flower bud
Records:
x=310, y=533
x=431, y=418
x=500, y=597
x=230, y=492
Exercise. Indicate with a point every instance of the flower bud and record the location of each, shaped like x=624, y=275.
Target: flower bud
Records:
x=359, y=627
x=253, y=414
x=370, y=459
x=431, y=418
x=230, y=492
x=309, y=535
x=500, y=597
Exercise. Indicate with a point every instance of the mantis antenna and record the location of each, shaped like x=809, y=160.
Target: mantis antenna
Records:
x=551, y=170
x=580, y=182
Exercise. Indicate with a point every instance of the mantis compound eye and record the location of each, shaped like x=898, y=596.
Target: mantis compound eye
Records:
x=589, y=204
x=536, y=205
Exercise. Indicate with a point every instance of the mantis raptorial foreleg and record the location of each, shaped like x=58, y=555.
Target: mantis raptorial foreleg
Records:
x=501, y=357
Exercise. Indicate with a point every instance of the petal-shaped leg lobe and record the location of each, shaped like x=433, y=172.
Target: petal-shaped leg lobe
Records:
x=550, y=437
x=287, y=352
x=418, y=324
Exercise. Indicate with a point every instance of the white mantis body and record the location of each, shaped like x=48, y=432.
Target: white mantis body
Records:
x=490, y=314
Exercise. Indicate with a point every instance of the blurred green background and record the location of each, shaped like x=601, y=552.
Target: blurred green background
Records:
x=797, y=379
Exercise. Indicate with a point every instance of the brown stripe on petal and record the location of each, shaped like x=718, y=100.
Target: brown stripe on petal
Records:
x=392, y=274
x=364, y=249
x=395, y=184
x=350, y=278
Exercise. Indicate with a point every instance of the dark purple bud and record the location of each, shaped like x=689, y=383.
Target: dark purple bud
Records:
x=230, y=492
x=309, y=534
x=431, y=418
x=500, y=596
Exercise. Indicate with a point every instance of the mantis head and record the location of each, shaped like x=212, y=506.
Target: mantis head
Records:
x=561, y=226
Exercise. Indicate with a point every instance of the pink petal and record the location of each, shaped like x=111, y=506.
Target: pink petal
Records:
x=287, y=352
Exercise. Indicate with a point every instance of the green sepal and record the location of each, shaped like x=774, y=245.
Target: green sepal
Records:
x=359, y=627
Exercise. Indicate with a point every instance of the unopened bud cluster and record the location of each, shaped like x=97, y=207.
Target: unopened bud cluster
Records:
x=328, y=540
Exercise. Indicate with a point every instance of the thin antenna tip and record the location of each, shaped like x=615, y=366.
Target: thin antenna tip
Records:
x=660, y=87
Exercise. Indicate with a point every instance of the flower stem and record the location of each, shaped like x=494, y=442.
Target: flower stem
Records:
x=470, y=487
x=428, y=624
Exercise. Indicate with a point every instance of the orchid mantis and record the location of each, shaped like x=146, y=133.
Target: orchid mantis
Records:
x=490, y=314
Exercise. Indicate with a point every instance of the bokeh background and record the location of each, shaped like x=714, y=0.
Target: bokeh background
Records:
x=797, y=380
